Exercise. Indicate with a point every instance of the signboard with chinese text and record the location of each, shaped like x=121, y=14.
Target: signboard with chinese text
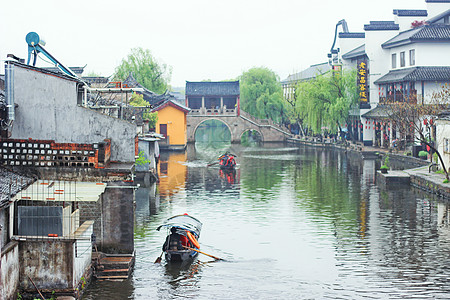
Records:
x=362, y=83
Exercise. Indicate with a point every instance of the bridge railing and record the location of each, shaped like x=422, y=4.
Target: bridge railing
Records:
x=217, y=111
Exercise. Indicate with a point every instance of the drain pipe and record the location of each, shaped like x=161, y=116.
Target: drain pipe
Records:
x=9, y=89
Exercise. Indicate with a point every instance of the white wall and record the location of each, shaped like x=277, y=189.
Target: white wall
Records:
x=379, y=58
x=435, y=9
x=432, y=54
x=443, y=132
x=405, y=21
x=397, y=51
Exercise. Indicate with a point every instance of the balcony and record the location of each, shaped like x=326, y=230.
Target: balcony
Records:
x=400, y=97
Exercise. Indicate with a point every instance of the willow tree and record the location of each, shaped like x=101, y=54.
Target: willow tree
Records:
x=152, y=74
x=325, y=101
x=262, y=95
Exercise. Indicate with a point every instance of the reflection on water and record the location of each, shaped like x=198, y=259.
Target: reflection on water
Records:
x=293, y=224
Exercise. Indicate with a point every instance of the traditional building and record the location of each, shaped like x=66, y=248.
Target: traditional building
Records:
x=172, y=124
x=404, y=59
x=213, y=98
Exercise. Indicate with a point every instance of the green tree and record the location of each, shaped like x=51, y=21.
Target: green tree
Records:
x=261, y=94
x=326, y=100
x=146, y=70
x=138, y=101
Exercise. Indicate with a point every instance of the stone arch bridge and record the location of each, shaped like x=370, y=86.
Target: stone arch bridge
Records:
x=238, y=125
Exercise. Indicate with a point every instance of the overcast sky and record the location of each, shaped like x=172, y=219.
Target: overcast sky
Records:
x=199, y=39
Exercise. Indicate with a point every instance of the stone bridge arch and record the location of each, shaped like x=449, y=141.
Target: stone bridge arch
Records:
x=238, y=124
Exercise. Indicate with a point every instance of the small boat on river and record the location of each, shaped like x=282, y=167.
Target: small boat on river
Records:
x=227, y=161
x=183, y=232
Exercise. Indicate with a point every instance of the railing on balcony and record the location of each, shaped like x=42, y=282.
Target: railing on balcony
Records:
x=222, y=111
x=400, y=97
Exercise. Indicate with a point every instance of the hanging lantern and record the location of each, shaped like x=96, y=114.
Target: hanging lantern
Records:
x=425, y=121
x=431, y=121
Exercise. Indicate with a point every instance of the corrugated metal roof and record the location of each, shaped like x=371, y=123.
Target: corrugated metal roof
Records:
x=223, y=88
x=416, y=74
x=70, y=191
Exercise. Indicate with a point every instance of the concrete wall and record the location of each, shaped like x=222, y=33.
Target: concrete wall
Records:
x=49, y=263
x=9, y=271
x=118, y=219
x=47, y=109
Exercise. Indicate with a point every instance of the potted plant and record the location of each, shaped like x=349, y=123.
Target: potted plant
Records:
x=386, y=165
x=423, y=154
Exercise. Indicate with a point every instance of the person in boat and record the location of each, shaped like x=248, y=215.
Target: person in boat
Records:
x=227, y=160
x=175, y=241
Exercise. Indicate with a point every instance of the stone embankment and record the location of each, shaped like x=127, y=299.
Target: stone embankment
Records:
x=419, y=173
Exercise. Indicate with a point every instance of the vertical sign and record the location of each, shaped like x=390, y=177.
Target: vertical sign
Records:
x=362, y=83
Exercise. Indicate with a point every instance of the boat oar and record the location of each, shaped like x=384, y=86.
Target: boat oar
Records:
x=158, y=260
x=214, y=163
x=216, y=258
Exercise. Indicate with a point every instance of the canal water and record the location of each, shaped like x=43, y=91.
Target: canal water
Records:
x=290, y=224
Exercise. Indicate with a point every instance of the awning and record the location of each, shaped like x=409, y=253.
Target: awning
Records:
x=69, y=191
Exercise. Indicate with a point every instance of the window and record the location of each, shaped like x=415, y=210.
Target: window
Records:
x=402, y=59
x=394, y=60
x=412, y=57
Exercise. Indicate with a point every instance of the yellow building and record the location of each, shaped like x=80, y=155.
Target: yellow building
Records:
x=172, y=124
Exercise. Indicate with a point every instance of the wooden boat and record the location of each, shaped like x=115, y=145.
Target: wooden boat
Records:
x=182, y=231
x=227, y=161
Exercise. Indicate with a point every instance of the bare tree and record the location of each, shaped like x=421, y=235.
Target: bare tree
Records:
x=417, y=118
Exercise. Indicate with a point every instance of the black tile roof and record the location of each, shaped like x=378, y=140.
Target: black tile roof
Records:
x=381, y=25
x=426, y=33
x=416, y=74
x=309, y=73
x=378, y=112
x=357, y=52
x=410, y=12
x=437, y=1
x=223, y=88
x=77, y=70
x=352, y=35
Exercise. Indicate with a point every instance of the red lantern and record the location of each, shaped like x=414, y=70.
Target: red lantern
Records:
x=431, y=121
x=425, y=121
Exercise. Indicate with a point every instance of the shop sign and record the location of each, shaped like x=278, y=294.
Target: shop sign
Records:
x=363, y=90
